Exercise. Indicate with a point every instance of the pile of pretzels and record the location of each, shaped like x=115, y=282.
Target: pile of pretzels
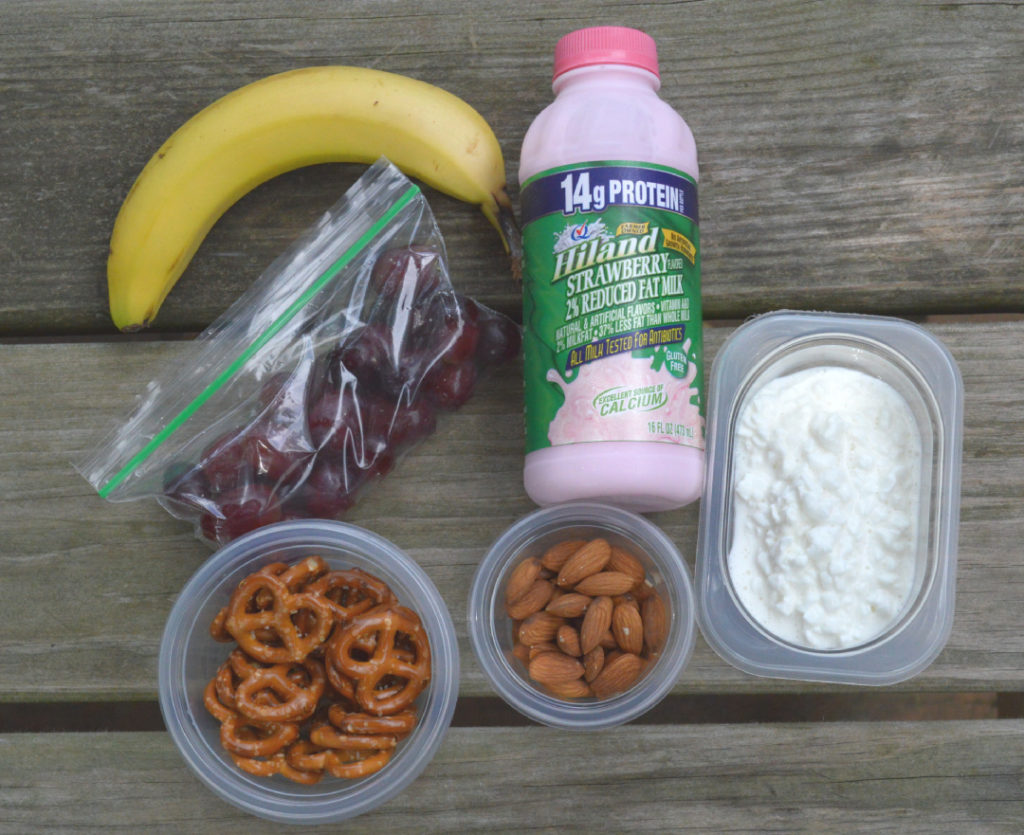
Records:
x=324, y=676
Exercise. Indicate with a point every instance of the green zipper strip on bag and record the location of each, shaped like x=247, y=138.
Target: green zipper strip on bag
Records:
x=343, y=261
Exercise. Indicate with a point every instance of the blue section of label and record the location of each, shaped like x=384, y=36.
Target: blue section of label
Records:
x=594, y=189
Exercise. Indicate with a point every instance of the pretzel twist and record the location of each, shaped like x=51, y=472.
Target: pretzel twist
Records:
x=343, y=685
x=307, y=756
x=218, y=630
x=248, y=738
x=211, y=700
x=277, y=764
x=263, y=618
x=351, y=592
x=398, y=725
x=282, y=693
x=387, y=680
x=242, y=666
x=327, y=736
x=298, y=576
x=350, y=765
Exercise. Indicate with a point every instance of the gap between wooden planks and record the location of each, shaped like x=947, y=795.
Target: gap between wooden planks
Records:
x=64, y=717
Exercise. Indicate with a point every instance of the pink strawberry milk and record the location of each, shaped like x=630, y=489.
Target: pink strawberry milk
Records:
x=612, y=313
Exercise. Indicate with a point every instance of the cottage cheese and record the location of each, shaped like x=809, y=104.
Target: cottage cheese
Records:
x=826, y=502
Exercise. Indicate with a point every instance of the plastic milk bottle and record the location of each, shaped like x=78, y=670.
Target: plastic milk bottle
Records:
x=611, y=278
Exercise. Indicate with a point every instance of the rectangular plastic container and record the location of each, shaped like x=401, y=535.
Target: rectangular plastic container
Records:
x=920, y=369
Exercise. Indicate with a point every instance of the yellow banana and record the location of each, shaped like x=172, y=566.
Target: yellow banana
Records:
x=277, y=124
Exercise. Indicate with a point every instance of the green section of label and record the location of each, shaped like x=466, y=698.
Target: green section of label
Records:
x=601, y=286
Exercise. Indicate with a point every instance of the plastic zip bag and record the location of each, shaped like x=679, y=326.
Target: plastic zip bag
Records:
x=333, y=364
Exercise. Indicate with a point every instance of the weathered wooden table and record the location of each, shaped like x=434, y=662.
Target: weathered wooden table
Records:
x=855, y=156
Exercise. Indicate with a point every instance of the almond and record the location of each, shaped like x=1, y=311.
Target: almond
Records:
x=569, y=605
x=618, y=675
x=539, y=627
x=655, y=618
x=593, y=661
x=522, y=652
x=588, y=560
x=554, y=558
x=642, y=591
x=568, y=640
x=604, y=582
x=554, y=668
x=625, y=562
x=533, y=600
x=576, y=689
x=608, y=641
x=628, y=628
x=537, y=649
x=595, y=623
x=521, y=578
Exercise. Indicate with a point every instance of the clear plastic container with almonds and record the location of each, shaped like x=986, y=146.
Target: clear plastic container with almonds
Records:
x=582, y=615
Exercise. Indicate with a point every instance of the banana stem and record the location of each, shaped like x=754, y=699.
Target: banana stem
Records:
x=503, y=218
x=513, y=240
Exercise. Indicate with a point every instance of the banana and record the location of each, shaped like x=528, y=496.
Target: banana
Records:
x=280, y=123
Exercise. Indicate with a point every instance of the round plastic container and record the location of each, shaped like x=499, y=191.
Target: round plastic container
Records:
x=491, y=632
x=189, y=657
x=922, y=371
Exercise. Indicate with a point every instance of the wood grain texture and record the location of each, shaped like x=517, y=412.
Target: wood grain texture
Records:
x=912, y=777
x=87, y=585
x=855, y=156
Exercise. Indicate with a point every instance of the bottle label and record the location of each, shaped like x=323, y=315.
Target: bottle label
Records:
x=613, y=349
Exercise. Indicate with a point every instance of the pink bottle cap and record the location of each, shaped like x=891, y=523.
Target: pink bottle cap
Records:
x=606, y=45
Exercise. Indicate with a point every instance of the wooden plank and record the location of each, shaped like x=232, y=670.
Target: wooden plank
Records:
x=855, y=156
x=87, y=585
x=914, y=777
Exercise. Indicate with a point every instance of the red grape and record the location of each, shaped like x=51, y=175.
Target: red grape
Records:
x=283, y=467
x=377, y=363
x=224, y=461
x=328, y=490
x=499, y=337
x=450, y=386
x=408, y=273
x=366, y=354
x=469, y=307
x=334, y=421
x=412, y=422
x=378, y=413
x=380, y=464
x=499, y=341
x=425, y=321
x=456, y=338
x=239, y=511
